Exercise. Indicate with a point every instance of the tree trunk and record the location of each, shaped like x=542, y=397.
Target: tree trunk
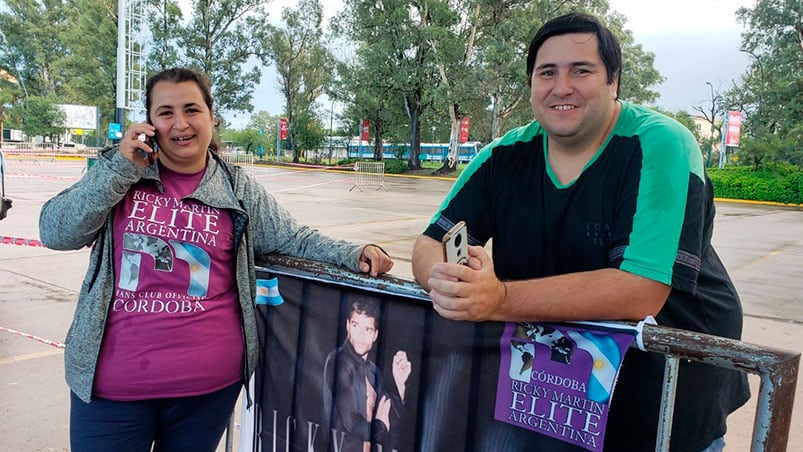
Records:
x=378, y=133
x=450, y=164
x=413, y=108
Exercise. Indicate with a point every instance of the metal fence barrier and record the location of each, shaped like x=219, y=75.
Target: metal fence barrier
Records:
x=26, y=153
x=369, y=174
x=778, y=369
x=246, y=161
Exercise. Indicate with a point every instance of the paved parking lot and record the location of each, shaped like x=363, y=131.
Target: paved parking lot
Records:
x=762, y=246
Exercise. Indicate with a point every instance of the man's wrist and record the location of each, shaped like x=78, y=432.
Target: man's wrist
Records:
x=501, y=301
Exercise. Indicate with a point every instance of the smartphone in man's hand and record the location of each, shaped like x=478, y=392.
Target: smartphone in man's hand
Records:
x=455, y=244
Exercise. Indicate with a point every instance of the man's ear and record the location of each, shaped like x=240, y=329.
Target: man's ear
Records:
x=615, y=86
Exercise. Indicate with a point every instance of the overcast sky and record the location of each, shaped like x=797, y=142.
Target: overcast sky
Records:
x=694, y=41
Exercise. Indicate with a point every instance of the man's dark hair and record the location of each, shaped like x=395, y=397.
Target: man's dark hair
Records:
x=179, y=75
x=609, y=49
x=367, y=308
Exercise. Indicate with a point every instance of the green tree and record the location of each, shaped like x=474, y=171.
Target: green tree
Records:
x=89, y=68
x=770, y=94
x=304, y=65
x=505, y=30
x=165, y=19
x=309, y=132
x=639, y=74
x=40, y=116
x=367, y=83
x=10, y=93
x=393, y=42
x=219, y=40
x=453, y=34
x=33, y=34
x=249, y=139
x=268, y=125
x=64, y=51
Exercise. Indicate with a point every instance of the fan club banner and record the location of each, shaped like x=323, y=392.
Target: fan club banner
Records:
x=350, y=370
x=559, y=380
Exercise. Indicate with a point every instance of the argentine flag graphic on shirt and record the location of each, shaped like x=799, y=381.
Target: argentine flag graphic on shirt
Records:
x=268, y=292
x=606, y=357
x=199, y=263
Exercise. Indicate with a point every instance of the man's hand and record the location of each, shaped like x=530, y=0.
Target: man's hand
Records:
x=383, y=412
x=467, y=292
x=401, y=371
x=374, y=261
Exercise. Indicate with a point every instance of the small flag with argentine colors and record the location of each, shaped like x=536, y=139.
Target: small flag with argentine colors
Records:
x=606, y=356
x=268, y=292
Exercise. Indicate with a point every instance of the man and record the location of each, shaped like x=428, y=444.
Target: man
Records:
x=599, y=209
x=361, y=412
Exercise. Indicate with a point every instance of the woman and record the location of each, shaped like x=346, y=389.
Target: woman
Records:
x=164, y=333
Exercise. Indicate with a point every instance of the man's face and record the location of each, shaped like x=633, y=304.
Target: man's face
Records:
x=362, y=333
x=570, y=96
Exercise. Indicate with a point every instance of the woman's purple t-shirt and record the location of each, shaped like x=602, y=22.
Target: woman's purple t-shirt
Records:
x=174, y=326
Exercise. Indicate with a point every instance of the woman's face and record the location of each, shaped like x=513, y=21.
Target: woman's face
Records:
x=184, y=125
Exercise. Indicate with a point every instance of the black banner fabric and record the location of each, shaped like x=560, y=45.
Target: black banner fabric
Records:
x=448, y=371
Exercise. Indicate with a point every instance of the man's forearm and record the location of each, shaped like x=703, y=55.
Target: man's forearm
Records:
x=605, y=294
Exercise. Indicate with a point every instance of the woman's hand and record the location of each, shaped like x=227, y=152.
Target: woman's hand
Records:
x=137, y=140
x=375, y=261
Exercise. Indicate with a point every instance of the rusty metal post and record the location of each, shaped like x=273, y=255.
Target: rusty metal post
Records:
x=778, y=370
x=667, y=414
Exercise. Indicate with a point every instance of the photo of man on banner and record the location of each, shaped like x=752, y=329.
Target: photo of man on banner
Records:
x=360, y=409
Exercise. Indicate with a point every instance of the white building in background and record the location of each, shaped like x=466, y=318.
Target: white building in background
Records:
x=704, y=127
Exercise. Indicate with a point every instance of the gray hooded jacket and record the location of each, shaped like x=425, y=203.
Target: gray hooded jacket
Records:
x=82, y=215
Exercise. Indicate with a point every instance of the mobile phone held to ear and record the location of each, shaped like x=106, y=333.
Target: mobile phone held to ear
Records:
x=455, y=244
x=150, y=141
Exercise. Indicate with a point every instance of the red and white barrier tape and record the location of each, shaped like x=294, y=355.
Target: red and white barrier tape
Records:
x=20, y=241
x=31, y=336
x=40, y=176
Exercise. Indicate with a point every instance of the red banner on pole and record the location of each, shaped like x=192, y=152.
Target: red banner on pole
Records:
x=464, y=127
x=283, y=128
x=734, y=128
x=365, y=134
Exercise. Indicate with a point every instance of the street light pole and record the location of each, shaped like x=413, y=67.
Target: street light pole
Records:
x=331, y=121
x=713, y=119
x=758, y=126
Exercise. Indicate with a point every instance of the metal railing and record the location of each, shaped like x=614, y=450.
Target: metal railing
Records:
x=246, y=161
x=369, y=174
